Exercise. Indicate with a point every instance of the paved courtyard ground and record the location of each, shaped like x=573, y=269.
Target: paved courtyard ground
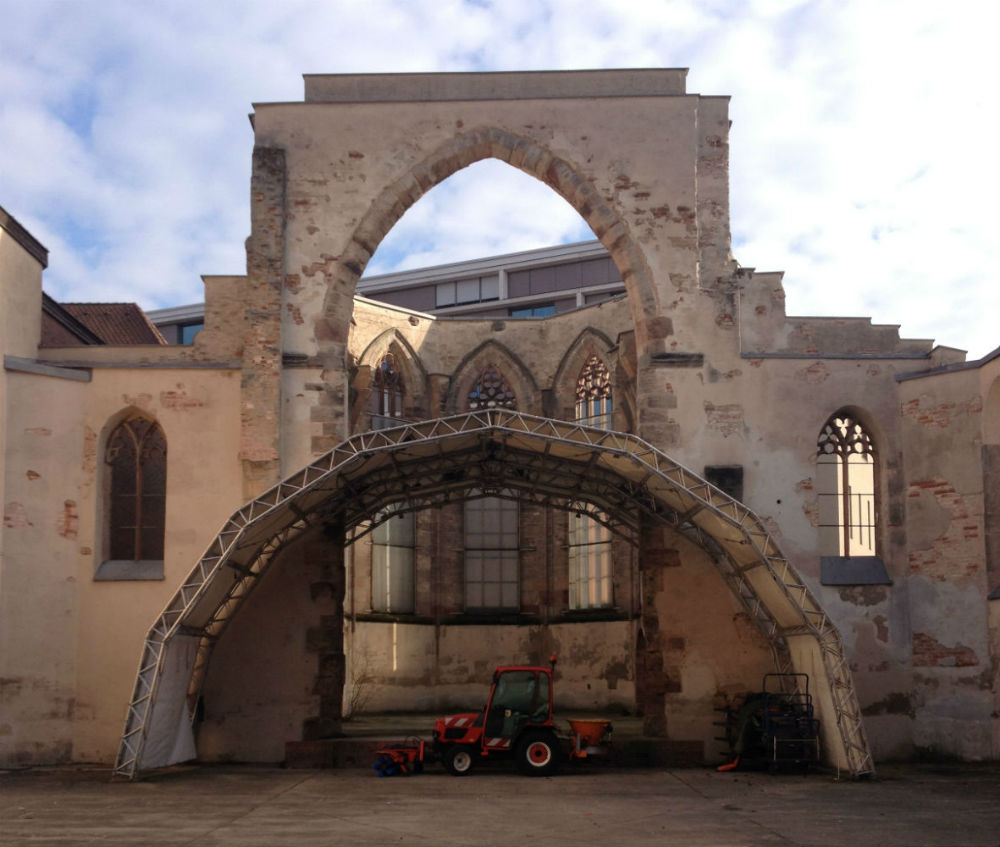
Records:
x=904, y=805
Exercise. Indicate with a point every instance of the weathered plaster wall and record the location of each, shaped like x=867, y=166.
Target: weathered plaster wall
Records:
x=951, y=649
x=39, y=591
x=74, y=642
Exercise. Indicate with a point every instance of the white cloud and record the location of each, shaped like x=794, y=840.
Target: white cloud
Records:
x=862, y=145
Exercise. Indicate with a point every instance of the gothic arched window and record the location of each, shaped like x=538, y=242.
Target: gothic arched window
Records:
x=136, y=457
x=845, y=487
x=593, y=395
x=387, y=393
x=491, y=392
x=589, y=540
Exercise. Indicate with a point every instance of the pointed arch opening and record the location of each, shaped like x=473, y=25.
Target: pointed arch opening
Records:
x=133, y=514
x=620, y=474
x=557, y=173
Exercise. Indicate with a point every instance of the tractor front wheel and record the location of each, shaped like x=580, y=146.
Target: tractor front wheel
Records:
x=537, y=754
x=459, y=760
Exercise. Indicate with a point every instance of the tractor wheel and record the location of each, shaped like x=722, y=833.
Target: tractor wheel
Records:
x=459, y=760
x=538, y=754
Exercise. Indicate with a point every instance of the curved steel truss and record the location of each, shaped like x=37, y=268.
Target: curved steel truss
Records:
x=492, y=453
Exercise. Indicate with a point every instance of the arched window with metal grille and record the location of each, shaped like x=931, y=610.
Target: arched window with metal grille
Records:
x=846, y=476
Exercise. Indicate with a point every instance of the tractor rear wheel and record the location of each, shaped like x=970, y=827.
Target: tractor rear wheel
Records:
x=538, y=754
x=460, y=759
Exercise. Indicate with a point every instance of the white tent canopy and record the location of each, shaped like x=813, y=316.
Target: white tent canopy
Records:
x=494, y=452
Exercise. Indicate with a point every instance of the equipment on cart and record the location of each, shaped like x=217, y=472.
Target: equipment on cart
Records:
x=775, y=726
x=589, y=737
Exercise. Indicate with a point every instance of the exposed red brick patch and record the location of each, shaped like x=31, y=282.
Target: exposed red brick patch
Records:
x=941, y=414
x=293, y=282
x=296, y=313
x=68, y=523
x=814, y=374
x=954, y=554
x=179, y=401
x=15, y=516
x=32, y=475
x=927, y=652
x=89, y=450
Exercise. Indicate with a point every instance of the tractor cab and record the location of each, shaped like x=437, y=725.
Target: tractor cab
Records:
x=517, y=719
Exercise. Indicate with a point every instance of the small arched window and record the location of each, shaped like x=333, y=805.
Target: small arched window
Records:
x=387, y=393
x=845, y=487
x=136, y=457
x=491, y=392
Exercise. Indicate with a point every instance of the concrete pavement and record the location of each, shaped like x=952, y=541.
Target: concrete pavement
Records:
x=904, y=805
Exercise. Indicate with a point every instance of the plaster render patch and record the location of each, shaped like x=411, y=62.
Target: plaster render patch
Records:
x=896, y=703
x=810, y=503
x=725, y=419
x=141, y=401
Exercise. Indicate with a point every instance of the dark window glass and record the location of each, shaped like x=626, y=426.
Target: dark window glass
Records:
x=137, y=460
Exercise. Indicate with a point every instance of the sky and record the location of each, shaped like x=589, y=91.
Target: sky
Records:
x=863, y=152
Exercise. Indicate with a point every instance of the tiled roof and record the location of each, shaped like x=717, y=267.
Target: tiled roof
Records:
x=116, y=323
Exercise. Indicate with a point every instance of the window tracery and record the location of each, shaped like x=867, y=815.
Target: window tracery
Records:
x=491, y=392
x=136, y=456
x=846, y=465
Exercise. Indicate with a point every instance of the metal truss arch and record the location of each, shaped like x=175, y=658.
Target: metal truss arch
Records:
x=421, y=464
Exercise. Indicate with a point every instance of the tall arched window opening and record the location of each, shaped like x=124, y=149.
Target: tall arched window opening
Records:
x=387, y=393
x=136, y=457
x=845, y=487
x=492, y=573
x=392, y=563
x=589, y=541
x=492, y=524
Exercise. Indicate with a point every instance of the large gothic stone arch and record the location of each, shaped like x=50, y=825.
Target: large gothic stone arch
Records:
x=555, y=171
x=420, y=463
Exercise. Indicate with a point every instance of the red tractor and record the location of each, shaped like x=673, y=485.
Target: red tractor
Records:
x=517, y=719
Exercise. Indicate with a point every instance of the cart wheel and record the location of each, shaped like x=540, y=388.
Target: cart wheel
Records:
x=459, y=760
x=537, y=754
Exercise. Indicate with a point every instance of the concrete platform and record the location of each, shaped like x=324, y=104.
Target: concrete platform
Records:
x=904, y=805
